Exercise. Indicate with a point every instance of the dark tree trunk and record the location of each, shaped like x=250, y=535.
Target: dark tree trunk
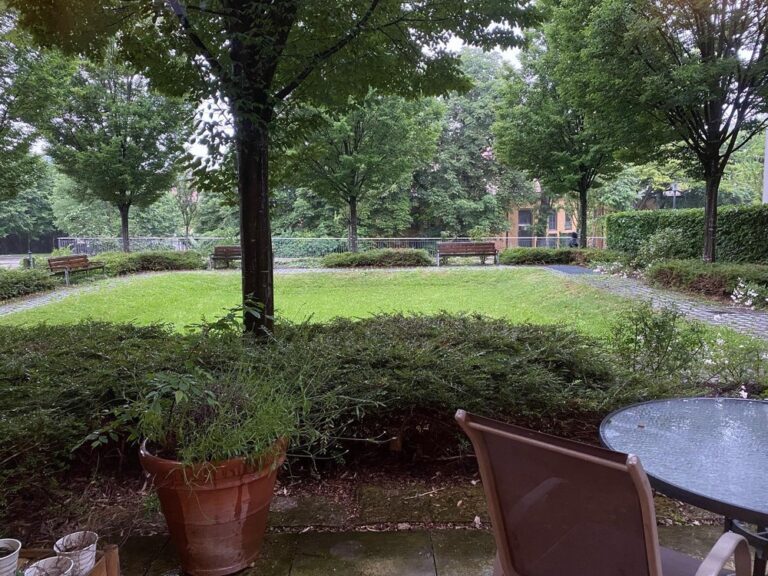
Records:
x=712, y=178
x=583, y=197
x=255, y=234
x=352, y=229
x=124, y=235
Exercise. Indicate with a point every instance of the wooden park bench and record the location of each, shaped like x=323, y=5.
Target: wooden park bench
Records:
x=225, y=254
x=76, y=263
x=482, y=249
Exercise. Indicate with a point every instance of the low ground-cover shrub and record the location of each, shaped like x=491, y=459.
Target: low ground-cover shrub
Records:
x=539, y=256
x=120, y=263
x=65, y=392
x=14, y=283
x=361, y=378
x=380, y=258
x=719, y=279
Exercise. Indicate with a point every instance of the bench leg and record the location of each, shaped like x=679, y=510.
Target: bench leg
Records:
x=438, y=259
x=66, y=277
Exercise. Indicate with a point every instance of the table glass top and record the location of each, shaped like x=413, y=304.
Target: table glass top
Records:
x=716, y=448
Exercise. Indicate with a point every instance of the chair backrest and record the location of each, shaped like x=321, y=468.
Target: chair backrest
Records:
x=560, y=507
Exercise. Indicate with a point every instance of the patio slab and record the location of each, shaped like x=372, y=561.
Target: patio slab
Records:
x=463, y=552
x=364, y=554
x=301, y=511
x=447, y=552
x=421, y=503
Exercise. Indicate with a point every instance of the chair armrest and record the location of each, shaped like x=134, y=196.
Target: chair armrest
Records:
x=729, y=545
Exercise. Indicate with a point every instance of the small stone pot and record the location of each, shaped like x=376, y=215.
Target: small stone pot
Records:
x=54, y=566
x=80, y=547
x=216, y=512
x=9, y=561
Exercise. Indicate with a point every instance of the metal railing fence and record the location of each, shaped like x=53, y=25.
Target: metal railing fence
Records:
x=284, y=247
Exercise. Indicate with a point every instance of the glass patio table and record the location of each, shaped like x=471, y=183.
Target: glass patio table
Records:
x=709, y=452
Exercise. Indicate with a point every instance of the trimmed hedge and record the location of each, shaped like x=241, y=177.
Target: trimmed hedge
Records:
x=532, y=256
x=382, y=258
x=719, y=279
x=15, y=283
x=121, y=263
x=742, y=234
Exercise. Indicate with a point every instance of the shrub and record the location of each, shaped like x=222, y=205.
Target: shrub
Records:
x=14, y=283
x=657, y=344
x=719, y=279
x=740, y=238
x=750, y=294
x=539, y=256
x=381, y=258
x=665, y=244
x=356, y=378
x=120, y=263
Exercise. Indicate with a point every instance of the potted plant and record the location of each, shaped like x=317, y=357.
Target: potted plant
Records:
x=212, y=445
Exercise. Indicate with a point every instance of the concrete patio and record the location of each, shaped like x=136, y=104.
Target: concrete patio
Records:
x=409, y=553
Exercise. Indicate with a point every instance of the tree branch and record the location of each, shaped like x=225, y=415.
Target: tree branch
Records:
x=321, y=57
x=205, y=52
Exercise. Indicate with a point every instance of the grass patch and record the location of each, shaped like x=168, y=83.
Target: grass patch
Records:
x=181, y=299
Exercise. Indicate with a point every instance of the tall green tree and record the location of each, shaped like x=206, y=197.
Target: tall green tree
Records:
x=539, y=130
x=264, y=57
x=370, y=150
x=29, y=81
x=119, y=141
x=465, y=187
x=696, y=69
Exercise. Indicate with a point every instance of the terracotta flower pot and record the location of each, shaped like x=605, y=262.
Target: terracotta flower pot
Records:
x=217, y=512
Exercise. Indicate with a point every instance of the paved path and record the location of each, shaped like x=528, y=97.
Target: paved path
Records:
x=749, y=322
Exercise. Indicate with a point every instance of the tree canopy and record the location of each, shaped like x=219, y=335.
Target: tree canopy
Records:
x=116, y=139
x=372, y=149
x=694, y=72
x=540, y=130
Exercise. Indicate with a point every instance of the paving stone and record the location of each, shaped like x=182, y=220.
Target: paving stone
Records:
x=139, y=552
x=695, y=541
x=420, y=502
x=315, y=510
x=463, y=552
x=275, y=559
x=364, y=554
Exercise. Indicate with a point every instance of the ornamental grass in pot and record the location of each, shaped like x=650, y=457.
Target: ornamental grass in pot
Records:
x=212, y=445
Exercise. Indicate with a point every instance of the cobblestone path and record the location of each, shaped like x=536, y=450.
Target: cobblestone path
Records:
x=749, y=322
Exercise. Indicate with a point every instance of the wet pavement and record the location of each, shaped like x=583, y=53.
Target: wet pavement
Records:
x=409, y=553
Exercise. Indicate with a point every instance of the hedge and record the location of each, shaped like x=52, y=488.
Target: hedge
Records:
x=742, y=234
x=539, y=256
x=719, y=279
x=121, y=263
x=382, y=258
x=15, y=283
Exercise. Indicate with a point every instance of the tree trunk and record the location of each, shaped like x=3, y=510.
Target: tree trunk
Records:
x=255, y=235
x=583, y=197
x=124, y=235
x=712, y=178
x=352, y=230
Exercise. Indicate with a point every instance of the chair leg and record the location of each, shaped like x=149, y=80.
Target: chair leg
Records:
x=497, y=571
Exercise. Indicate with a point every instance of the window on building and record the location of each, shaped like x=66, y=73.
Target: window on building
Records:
x=552, y=221
x=568, y=222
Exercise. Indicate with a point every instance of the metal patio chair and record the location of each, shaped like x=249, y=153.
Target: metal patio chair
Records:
x=562, y=508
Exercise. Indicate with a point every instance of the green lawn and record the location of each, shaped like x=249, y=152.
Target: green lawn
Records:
x=522, y=295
